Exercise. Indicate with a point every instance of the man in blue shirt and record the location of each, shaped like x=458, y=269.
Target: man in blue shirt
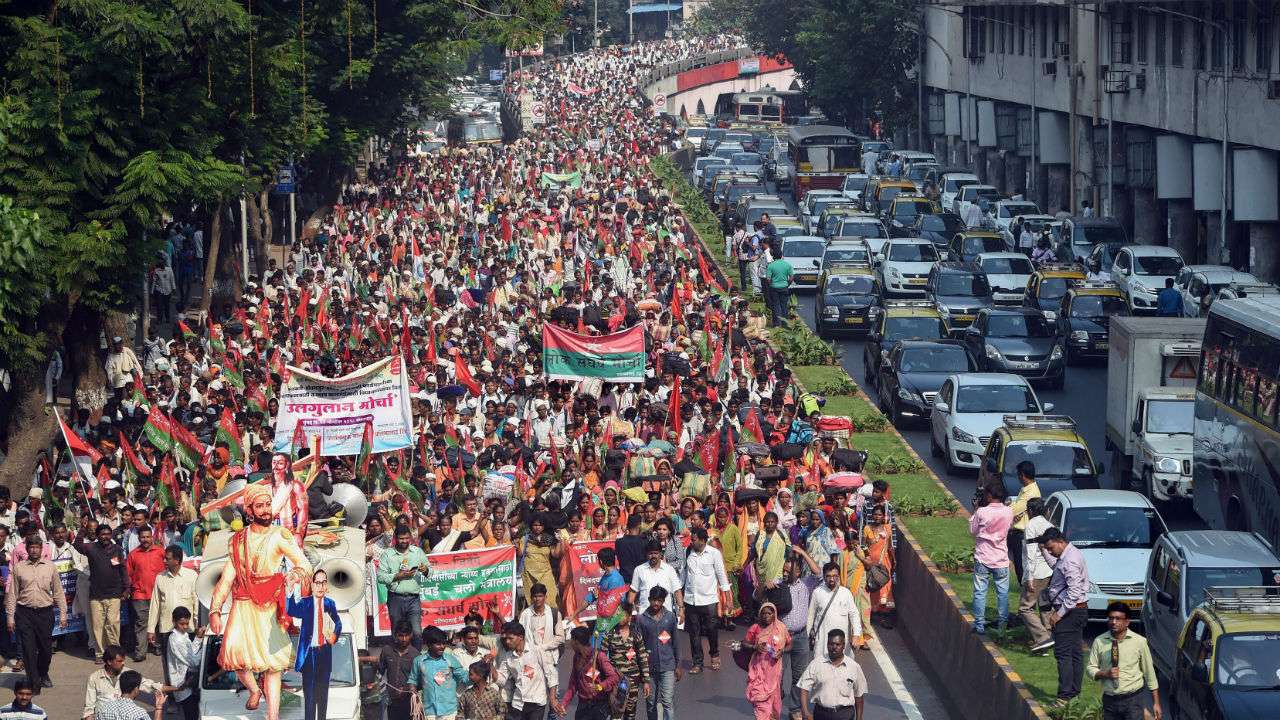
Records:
x=1169, y=301
x=438, y=675
x=657, y=626
x=22, y=708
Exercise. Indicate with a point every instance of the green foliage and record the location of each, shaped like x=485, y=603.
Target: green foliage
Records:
x=691, y=202
x=926, y=505
x=801, y=346
x=1079, y=708
x=953, y=559
x=870, y=422
x=839, y=385
x=894, y=464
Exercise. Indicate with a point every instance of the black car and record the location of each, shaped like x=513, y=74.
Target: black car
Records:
x=1019, y=341
x=938, y=229
x=844, y=300
x=960, y=291
x=914, y=371
x=1085, y=318
x=899, y=320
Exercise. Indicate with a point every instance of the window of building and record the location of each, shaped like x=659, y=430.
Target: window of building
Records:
x=1177, y=55
x=1042, y=24
x=1140, y=36
x=1239, y=35
x=1001, y=24
x=1262, y=49
x=1216, y=36
x=1121, y=37
x=1159, y=27
x=1201, y=45
x=1022, y=30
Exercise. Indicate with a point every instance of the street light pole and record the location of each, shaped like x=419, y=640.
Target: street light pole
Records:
x=595, y=23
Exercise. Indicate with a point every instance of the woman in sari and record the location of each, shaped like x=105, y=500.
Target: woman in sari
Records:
x=599, y=524
x=853, y=575
x=768, y=552
x=784, y=505
x=819, y=541
x=768, y=639
x=728, y=540
x=877, y=535
x=672, y=551
x=614, y=528
x=540, y=549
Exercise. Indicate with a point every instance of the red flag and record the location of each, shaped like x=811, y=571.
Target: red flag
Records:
x=406, y=343
x=463, y=374
x=322, y=312
x=752, y=425
x=132, y=457
x=83, y=456
x=431, y=344
x=555, y=454
x=304, y=301
x=677, y=313
x=417, y=252
x=673, y=409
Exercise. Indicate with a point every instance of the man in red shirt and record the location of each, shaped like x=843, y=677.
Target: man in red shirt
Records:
x=141, y=568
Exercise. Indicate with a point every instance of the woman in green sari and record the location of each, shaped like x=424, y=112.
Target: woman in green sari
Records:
x=768, y=553
x=853, y=575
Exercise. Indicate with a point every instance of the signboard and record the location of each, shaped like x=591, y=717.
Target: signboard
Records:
x=287, y=180
x=584, y=564
x=749, y=66
x=482, y=581
x=660, y=102
x=337, y=410
x=539, y=113
x=618, y=357
x=497, y=75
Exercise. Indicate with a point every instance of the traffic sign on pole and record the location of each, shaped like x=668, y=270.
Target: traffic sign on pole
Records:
x=660, y=102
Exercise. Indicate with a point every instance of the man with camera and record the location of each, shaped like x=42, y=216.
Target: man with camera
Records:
x=989, y=524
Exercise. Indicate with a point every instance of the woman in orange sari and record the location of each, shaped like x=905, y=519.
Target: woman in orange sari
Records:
x=878, y=537
x=727, y=538
x=853, y=575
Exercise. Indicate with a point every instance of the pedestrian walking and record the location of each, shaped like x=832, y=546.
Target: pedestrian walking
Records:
x=630, y=658
x=395, y=662
x=767, y=640
x=832, y=607
x=182, y=662
x=780, y=273
x=144, y=565
x=1121, y=661
x=402, y=568
x=29, y=605
x=834, y=683
x=528, y=676
x=798, y=654
x=657, y=625
x=437, y=676
x=989, y=525
x=1035, y=578
x=1169, y=300
x=162, y=287
x=1068, y=590
x=592, y=680
x=481, y=700
x=704, y=582
x=22, y=707
x=174, y=588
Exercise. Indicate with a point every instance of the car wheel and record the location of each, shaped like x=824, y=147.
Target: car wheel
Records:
x=895, y=415
x=820, y=329
x=1149, y=489
x=1124, y=479
x=934, y=449
x=866, y=367
x=946, y=454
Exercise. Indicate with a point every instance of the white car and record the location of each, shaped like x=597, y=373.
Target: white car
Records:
x=804, y=254
x=1140, y=271
x=970, y=194
x=853, y=185
x=1006, y=211
x=813, y=202
x=1007, y=273
x=702, y=164
x=695, y=137
x=1115, y=530
x=969, y=408
x=904, y=264
x=950, y=185
x=1199, y=285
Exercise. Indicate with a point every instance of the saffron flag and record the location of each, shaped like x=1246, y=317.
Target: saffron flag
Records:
x=618, y=357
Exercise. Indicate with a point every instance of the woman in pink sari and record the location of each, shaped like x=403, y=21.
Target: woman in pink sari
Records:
x=768, y=639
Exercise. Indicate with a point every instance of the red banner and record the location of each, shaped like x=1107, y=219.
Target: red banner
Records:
x=585, y=567
x=460, y=582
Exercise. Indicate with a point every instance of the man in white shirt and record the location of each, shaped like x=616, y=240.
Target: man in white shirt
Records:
x=831, y=607
x=182, y=655
x=1035, y=578
x=542, y=622
x=527, y=677
x=121, y=364
x=657, y=573
x=833, y=682
x=704, y=580
x=174, y=588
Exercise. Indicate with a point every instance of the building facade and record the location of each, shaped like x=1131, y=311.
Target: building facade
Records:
x=1124, y=104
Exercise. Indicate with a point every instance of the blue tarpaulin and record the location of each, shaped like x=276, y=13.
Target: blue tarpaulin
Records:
x=654, y=7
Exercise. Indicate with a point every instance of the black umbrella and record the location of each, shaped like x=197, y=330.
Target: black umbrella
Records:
x=451, y=391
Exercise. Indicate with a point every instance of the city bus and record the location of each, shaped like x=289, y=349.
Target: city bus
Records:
x=474, y=129
x=1236, y=452
x=822, y=155
x=761, y=107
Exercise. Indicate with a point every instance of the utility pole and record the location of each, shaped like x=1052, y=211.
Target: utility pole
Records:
x=631, y=21
x=595, y=23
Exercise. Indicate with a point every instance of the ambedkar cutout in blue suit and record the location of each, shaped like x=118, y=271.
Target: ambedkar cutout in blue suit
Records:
x=321, y=627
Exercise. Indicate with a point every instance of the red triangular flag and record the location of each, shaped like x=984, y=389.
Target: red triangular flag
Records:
x=463, y=374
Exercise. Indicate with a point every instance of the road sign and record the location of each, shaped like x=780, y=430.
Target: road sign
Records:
x=660, y=102
x=539, y=113
x=286, y=180
x=1184, y=369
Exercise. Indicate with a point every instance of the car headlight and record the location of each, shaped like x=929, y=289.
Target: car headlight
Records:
x=1168, y=465
x=1080, y=335
x=942, y=308
x=1093, y=588
x=961, y=436
x=1139, y=287
x=993, y=353
x=906, y=394
x=831, y=310
x=893, y=272
x=1050, y=315
x=1056, y=354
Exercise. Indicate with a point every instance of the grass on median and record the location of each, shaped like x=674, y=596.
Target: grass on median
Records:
x=925, y=507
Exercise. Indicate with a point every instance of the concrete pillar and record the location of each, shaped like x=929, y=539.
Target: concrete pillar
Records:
x=1264, y=255
x=995, y=171
x=1015, y=172
x=1123, y=211
x=1148, y=218
x=979, y=161
x=1214, y=253
x=1056, y=190
x=1182, y=229
x=1084, y=180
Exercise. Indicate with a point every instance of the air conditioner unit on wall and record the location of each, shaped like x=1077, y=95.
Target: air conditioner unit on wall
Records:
x=1115, y=81
x=1061, y=49
x=1051, y=68
x=1139, y=80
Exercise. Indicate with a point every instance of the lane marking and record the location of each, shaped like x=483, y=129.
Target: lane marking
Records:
x=899, y=688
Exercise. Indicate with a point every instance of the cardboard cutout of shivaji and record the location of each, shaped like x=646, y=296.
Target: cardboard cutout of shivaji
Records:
x=255, y=639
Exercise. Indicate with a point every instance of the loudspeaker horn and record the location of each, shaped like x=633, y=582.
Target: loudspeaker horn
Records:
x=207, y=580
x=346, y=581
x=355, y=506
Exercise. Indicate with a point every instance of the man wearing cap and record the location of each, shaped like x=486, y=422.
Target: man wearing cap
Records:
x=1068, y=592
x=120, y=365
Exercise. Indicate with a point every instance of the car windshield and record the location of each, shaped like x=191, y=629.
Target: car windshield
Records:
x=1248, y=660
x=1006, y=266
x=1016, y=326
x=963, y=284
x=737, y=191
x=1157, y=265
x=746, y=158
x=918, y=172
x=954, y=185
x=215, y=678
x=1011, y=210
x=1127, y=527
x=786, y=231
x=1097, y=306
x=1200, y=579
x=887, y=195
x=1094, y=234
x=726, y=153
x=819, y=204
x=1052, y=460
x=996, y=399
x=850, y=284
x=944, y=223
x=908, y=210
x=941, y=359
x=852, y=184
x=1173, y=417
x=989, y=193
x=911, y=327
x=710, y=162
x=853, y=254
x=913, y=252
x=1053, y=288
x=803, y=248
x=975, y=245
x=862, y=228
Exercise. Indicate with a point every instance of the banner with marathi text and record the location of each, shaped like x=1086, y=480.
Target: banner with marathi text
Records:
x=584, y=564
x=338, y=409
x=460, y=582
x=569, y=356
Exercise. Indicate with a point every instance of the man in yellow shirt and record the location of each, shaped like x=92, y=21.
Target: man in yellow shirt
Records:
x=1121, y=661
x=1017, y=532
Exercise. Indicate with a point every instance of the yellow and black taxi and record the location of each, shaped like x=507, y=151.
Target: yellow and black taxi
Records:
x=832, y=215
x=1085, y=316
x=967, y=245
x=1051, y=442
x=894, y=321
x=960, y=291
x=905, y=208
x=847, y=290
x=1227, y=666
x=1048, y=285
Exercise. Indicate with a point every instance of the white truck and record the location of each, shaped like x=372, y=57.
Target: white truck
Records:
x=1151, y=375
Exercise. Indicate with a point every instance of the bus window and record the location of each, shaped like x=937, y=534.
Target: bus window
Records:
x=771, y=113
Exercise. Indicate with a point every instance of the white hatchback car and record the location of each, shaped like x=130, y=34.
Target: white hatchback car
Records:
x=904, y=264
x=968, y=409
x=1007, y=273
x=950, y=186
x=1140, y=271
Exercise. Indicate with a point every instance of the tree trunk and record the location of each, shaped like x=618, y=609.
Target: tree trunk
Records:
x=211, y=261
x=260, y=228
x=31, y=425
